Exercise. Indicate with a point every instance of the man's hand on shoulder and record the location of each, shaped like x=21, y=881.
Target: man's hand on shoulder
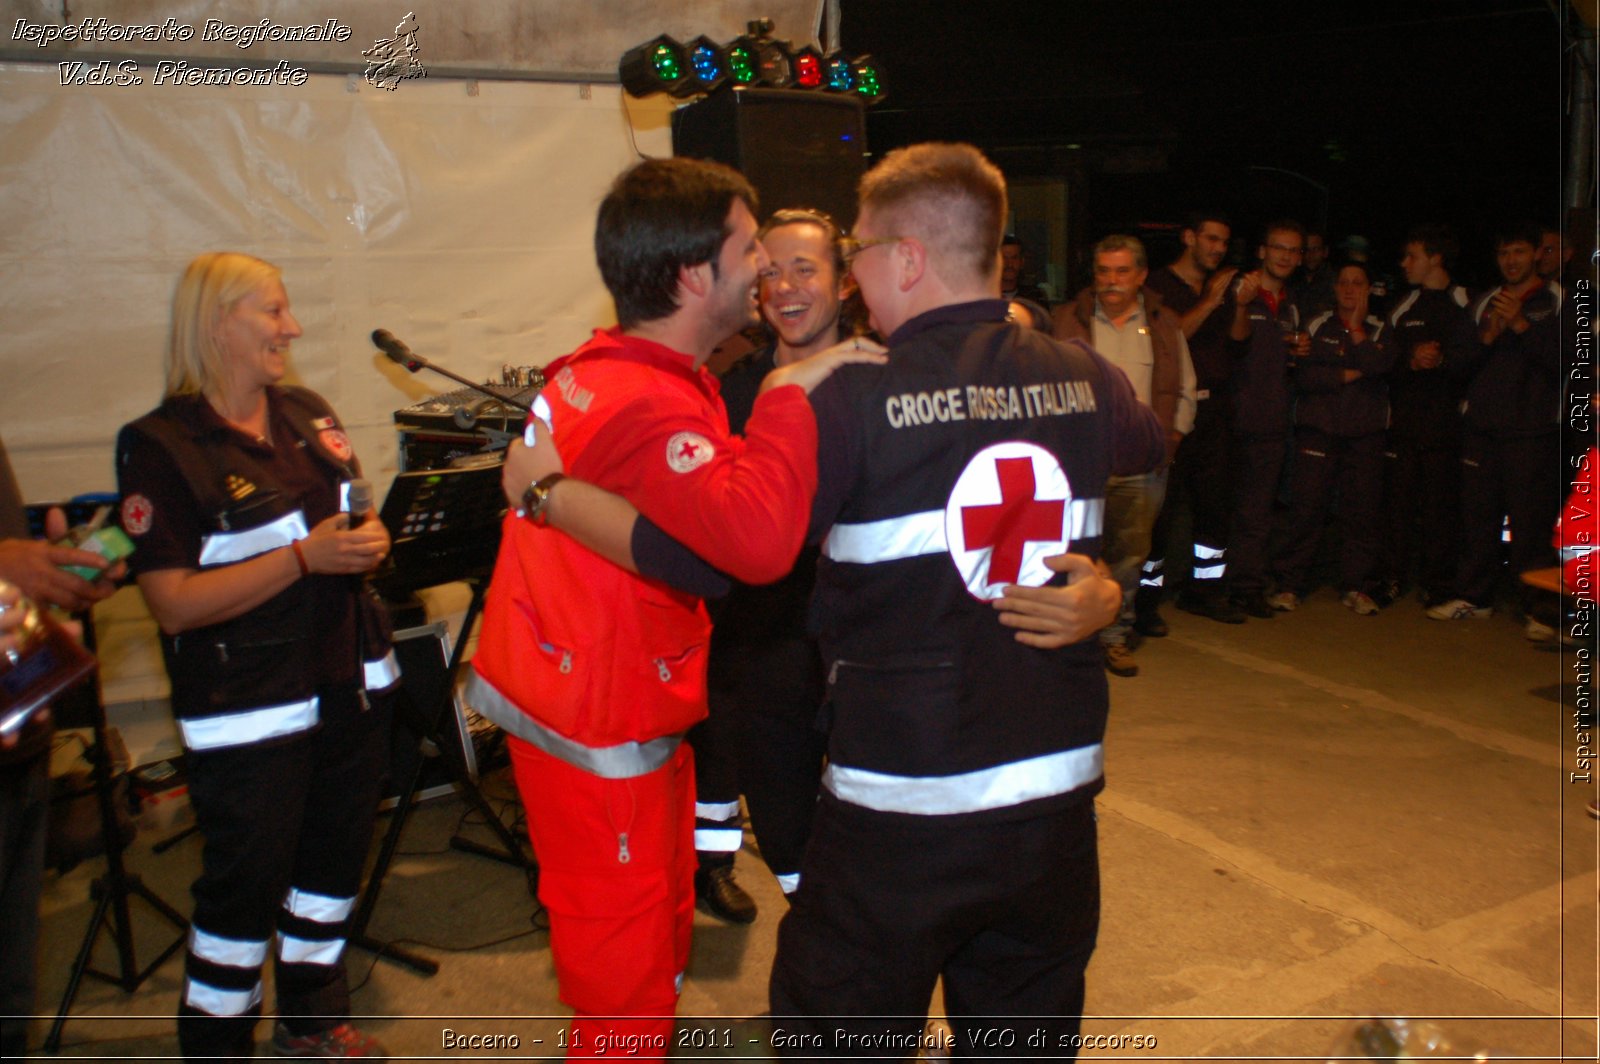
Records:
x=810, y=372
x=1050, y=617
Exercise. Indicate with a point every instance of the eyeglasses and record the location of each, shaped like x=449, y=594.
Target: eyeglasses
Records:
x=850, y=247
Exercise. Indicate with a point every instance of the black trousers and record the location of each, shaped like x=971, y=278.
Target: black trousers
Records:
x=1352, y=466
x=1257, y=462
x=1422, y=514
x=763, y=739
x=1517, y=478
x=1006, y=911
x=782, y=748
x=1198, y=483
x=287, y=825
x=718, y=833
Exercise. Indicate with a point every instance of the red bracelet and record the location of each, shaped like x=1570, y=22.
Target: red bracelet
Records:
x=300, y=557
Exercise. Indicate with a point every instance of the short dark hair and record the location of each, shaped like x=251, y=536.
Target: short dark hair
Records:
x=1196, y=220
x=1518, y=232
x=661, y=216
x=1282, y=225
x=1355, y=264
x=1437, y=240
x=1011, y=240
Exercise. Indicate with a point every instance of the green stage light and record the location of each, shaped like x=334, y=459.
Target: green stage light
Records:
x=869, y=79
x=659, y=65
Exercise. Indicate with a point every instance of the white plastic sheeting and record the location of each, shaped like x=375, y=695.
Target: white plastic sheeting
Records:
x=560, y=39
x=458, y=215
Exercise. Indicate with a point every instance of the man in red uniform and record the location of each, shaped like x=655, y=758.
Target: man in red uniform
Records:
x=596, y=672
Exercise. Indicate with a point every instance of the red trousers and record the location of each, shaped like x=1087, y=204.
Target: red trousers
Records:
x=616, y=872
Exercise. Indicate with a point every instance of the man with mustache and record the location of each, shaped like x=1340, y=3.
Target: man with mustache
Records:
x=1127, y=323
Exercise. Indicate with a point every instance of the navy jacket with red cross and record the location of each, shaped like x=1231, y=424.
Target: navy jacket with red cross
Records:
x=1260, y=380
x=1515, y=386
x=586, y=661
x=198, y=494
x=981, y=448
x=1324, y=400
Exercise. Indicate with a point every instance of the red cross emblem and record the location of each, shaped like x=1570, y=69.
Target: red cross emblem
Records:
x=687, y=451
x=136, y=514
x=1017, y=518
x=1007, y=512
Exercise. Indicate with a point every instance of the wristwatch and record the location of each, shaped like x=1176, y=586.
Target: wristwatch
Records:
x=537, y=498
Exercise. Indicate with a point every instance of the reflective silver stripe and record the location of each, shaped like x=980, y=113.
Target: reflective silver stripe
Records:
x=248, y=726
x=230, y=952
x=718, y=840
x=1159, y=580
x=1207, y=553
x=914, y=535
x=716, y=810
x=969, y=792
x=1087, y=518
x=620, y=762
x=910, y=536
x=790, y=882
x=1210, y=572
x=293, y=950
x=1569, y=553
x=222, y=548
x=216, y=1001
x=381, y=674
x=319, y=907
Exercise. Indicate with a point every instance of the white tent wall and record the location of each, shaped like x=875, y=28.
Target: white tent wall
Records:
x=456, y=212
x=458, y=216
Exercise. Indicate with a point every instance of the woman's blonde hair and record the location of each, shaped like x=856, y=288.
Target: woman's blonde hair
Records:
x=209, y=288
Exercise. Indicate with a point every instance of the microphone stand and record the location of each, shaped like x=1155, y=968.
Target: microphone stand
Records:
x=398, y=352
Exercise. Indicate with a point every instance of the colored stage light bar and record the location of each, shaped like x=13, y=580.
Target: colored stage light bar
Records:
x=755, y=59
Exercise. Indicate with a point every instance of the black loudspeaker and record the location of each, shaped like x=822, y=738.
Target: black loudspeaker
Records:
x=799, y=149
x=424, y=655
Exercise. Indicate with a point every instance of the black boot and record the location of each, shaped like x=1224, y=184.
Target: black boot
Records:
x=716, y=894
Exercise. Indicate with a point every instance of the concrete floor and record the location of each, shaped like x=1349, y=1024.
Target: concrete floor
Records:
x=1306, y=820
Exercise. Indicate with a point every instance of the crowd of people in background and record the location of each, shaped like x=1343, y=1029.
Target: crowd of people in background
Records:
x=1334, y=421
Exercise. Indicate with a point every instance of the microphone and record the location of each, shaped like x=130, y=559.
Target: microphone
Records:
x=392, y=346
x=360, y=498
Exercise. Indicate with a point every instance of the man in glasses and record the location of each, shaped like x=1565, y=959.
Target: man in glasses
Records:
x=1267, y=331
x=954, y=836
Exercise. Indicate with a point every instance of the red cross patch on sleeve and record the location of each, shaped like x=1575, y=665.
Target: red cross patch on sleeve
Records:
x=689, y=450
x=136, y=514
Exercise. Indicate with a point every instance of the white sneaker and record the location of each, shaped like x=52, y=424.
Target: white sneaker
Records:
x=1361, y=602
x=1287, y=601
x=1539, y=632
x=1458, y=610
